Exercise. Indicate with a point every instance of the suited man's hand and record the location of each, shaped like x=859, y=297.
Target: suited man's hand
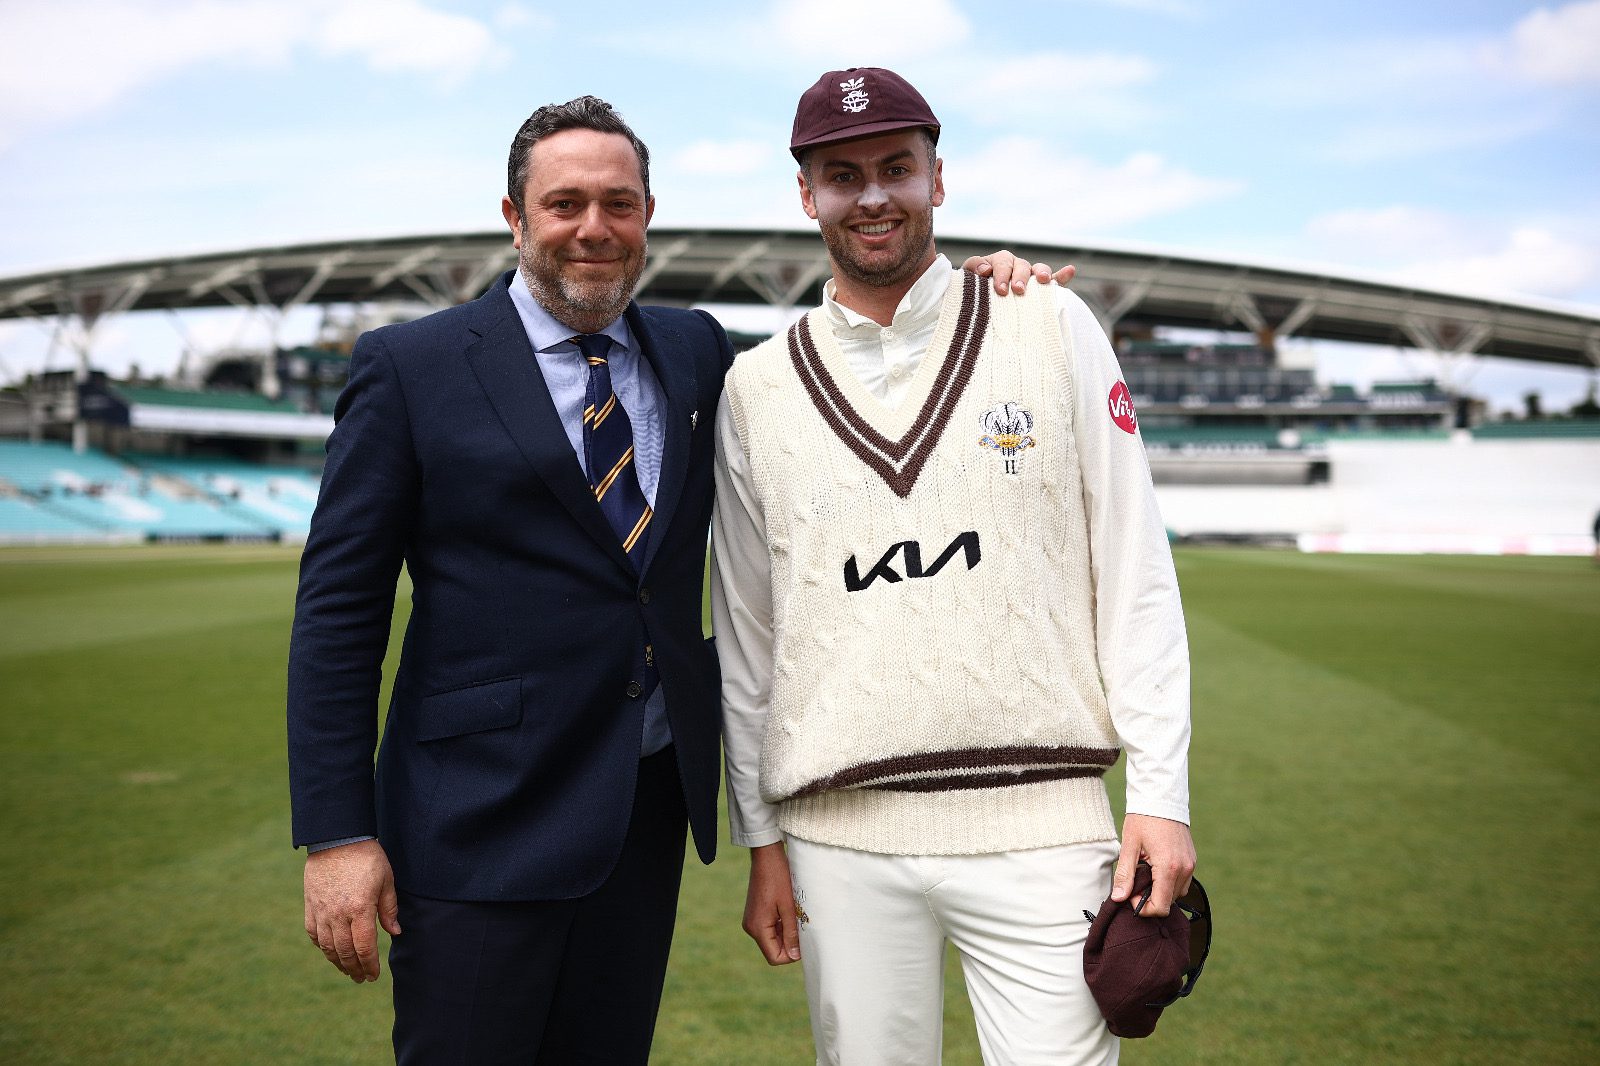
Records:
x=349, y=890
x=1011, y=274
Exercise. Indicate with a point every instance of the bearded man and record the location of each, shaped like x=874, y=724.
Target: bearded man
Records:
x=541, y=462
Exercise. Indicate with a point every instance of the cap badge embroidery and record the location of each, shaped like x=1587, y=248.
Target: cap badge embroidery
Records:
x=1005, y=430
x=855, y=96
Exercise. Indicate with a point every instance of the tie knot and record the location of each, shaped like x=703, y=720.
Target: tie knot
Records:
x=594, y=346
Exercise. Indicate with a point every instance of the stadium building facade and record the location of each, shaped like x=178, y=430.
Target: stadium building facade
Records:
x=1244, y=442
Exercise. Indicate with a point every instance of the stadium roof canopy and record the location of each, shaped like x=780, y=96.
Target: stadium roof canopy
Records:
x=786, y=269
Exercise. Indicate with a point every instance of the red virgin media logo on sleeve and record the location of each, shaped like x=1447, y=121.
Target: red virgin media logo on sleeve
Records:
x=1121, y=404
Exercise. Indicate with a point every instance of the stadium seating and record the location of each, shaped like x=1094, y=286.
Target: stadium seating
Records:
x=277, y=496
x=52, y=492
x=23, y=521
x=1210, y=436
x=49, y=466
x=1540, y=429
x=157, y=515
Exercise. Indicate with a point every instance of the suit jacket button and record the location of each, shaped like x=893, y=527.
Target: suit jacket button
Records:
x=634, y=689
x=644, y=595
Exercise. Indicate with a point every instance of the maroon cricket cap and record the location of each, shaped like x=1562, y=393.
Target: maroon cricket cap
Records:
x=1136, y=967
x=859, y=102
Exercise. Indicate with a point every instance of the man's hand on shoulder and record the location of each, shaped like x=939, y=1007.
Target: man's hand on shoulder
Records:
x=1169, y=849
x=769, y=911
x=1011, y=274
x=349, y=890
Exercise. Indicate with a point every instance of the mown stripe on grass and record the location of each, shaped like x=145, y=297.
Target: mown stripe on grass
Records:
x=84, y=618
x=200, y=961
x=1551, y=583
x=1501, y=647
x=1391, y=887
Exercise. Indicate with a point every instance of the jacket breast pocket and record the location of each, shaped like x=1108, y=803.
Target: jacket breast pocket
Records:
x=473, y=709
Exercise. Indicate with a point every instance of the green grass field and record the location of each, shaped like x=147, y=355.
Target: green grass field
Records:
x=1394, y=793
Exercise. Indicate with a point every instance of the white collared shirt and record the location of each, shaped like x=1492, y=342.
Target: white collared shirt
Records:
x=886, y=358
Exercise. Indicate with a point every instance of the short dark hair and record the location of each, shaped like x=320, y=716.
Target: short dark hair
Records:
x=930, y=143
x=583, y=113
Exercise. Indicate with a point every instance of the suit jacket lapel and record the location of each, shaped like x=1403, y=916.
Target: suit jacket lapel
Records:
x=508, y=371
x=674, y=369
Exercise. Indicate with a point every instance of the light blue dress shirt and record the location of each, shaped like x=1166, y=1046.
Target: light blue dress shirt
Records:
x=566, y=374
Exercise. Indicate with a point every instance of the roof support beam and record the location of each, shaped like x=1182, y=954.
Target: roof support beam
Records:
x=1451, y=342
x=658, y=260
x=224, y=275
x=1241, y=307
x=734, y=268
x=783, y=286
x=314, y=283
x=1111, y=300
x=1298, y=317
x=405, y=265
x=782, y=268
x=490, y=266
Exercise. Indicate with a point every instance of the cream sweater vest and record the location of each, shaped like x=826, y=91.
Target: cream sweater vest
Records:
x=935, y=684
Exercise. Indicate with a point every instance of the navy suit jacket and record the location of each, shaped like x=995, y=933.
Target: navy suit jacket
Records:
x=511, y=747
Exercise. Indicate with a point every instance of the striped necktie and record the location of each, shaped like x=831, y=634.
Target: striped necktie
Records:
x=608, y=451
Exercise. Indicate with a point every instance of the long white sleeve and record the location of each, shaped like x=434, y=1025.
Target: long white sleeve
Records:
x=741, y=614
x=1140, y=636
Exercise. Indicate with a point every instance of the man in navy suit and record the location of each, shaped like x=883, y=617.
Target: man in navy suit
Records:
x=555, y=717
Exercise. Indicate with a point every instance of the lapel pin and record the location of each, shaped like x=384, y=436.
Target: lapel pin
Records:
x=694, y=420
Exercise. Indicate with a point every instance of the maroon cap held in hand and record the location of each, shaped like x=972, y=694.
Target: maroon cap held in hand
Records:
x=1137, y=966
x=859, y=102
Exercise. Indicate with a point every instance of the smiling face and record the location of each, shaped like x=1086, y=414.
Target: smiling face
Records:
x=581, y=233
x=873, y=200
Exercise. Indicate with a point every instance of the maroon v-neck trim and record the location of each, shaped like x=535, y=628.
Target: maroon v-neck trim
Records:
x=898, y=462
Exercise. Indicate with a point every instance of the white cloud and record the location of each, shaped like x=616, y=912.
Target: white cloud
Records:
x=1384, y=233
x=1054, y=74
x=1183, y=8
x=400, y=36
x=515, y=16
x=726, y=158
x=1397, y=97
x=114, y=49
x=1430, y=133
x=1560, y=45
x=932, y=43
x=740, y=181
x=1530, y=259
x=829, y=29
x=1557, y=258
x=61, y=60
x=244, y=189
x=1096, y=86
x=1064, y=197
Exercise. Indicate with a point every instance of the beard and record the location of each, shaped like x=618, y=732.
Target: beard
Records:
x=878, y=269
x=587, y=305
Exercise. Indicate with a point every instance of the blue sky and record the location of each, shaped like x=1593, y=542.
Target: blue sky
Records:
x=1452, y=145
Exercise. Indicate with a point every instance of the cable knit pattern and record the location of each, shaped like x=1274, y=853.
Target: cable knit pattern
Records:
x=920, y=708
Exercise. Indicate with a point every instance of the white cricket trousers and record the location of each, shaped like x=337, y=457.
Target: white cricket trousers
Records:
x=872, y=945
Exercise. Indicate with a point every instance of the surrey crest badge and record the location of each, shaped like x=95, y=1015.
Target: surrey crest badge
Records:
x=1006, y=431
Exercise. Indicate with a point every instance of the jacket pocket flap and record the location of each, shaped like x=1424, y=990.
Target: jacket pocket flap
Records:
x=486, y=705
